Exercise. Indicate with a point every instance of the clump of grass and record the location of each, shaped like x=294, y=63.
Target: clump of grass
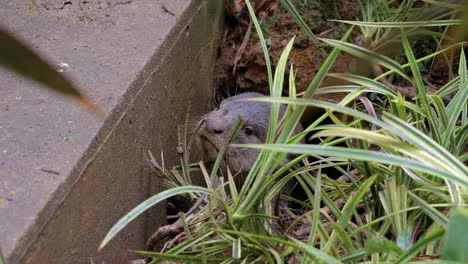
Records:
x=403, y=192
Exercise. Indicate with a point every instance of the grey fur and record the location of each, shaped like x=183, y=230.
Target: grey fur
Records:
x=217, y=124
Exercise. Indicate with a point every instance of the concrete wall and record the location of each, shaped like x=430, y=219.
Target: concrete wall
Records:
x=67, y=176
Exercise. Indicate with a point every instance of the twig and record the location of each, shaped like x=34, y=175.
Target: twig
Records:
x=407, y=91
x=166, y=10
x=163, y=234
x=50, y=171
x=242, y=47
x=325, y=211
x=170, y=230
x=368, y=105
x=171, y=242
x=327, y=31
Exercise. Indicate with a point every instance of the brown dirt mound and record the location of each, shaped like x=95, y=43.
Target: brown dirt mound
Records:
x=241, y=65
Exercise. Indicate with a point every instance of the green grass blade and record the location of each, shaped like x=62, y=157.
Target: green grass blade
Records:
x=439, y=106
x=349, y=209
x=343, y=236
x=318, y=254
x=313, y=86
x=422, y=59
x=455, y=245
x=2, y=259
x=460, y=100
x=354, y=255
x=430, y=211
x=288, y=5
x=449, y=87
x=366, y=54
x=378, y=244
x=362, y=155
x=385, y=141
x=236, y=249
x=374, y=85
x=185, y=245
x=262, y=41
x=235, y=129
x=277, y=256
x=180, y=257
x=277, y=91
x=291, y=92
x=124, y=221
x=461, y=139
x=371, y=136
x=232, y=186
x=444, y=4
x=324, y=105
x=420, y=87
x=403, y=24
x=419, y=245
x=298, y=245
x=315, y=213
x=417, y=138
x=339, y=89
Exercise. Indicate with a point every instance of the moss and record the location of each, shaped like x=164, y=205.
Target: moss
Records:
x=316, y=13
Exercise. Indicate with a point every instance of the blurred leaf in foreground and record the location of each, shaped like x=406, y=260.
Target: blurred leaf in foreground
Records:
x=456, y=241
x=2, y=259
x=17, y=57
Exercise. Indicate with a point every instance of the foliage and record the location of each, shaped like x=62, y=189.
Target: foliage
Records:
x=404, y=183
x=455, y=246
x=2, y=259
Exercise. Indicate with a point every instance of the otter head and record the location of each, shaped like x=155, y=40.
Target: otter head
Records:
x=217, y=124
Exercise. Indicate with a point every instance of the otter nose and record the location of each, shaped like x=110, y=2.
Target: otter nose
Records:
x=214, y=126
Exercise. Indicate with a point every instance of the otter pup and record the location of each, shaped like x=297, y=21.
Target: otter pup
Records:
x=216, y=126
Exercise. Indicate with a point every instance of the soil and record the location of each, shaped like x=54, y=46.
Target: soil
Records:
x=241, y=65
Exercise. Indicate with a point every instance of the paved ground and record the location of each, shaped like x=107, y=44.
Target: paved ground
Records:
x=60, y=164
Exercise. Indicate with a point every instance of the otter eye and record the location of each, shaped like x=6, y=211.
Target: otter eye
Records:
x=248, y=131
